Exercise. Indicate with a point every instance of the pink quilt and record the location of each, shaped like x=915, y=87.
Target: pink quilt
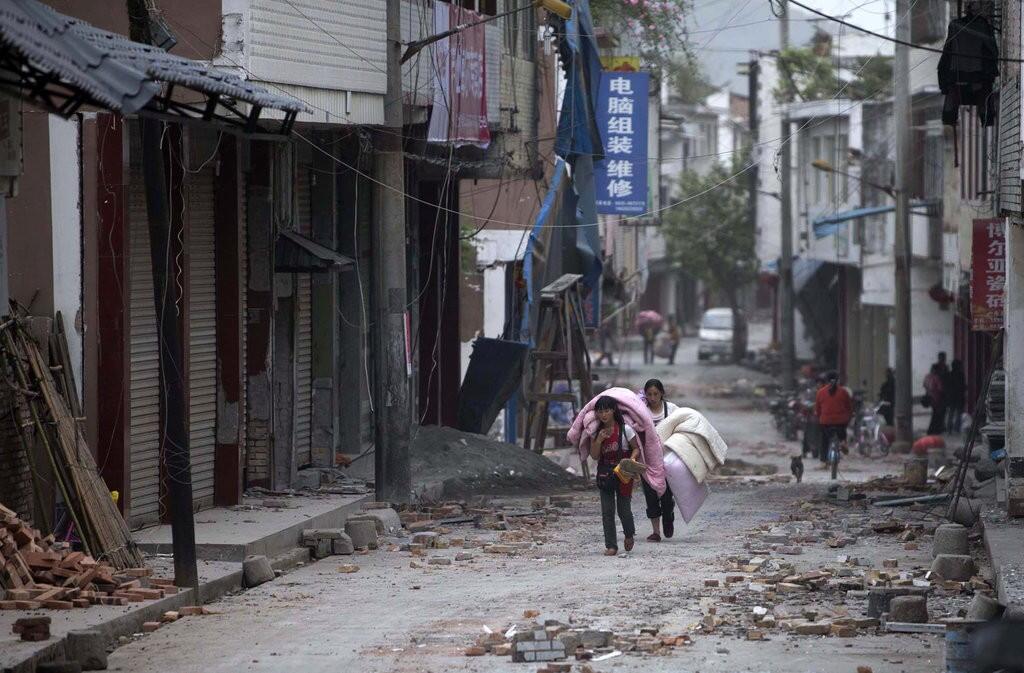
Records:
x=634, y=410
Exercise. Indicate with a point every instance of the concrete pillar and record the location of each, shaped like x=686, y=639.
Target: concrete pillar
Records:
x=1014, y=365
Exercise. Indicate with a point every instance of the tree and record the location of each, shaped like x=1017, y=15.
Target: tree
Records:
x=688, y=81
x=655, y=26
x=806, y=74
x=710, y=236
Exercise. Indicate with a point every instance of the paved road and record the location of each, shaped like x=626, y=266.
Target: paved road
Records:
x=390, y=617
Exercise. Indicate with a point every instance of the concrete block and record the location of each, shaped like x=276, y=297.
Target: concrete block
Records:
x=386, y=519
x=983, y=608
x=570, y=641
x=88, y=648
x=342, y=545
x=427, y=538
x=957, y=567
x=950, y=538
x=879, y=598
x=363, y=533
x=257, y=570
x=323, y=533
x=595, y=639
x=910, y=609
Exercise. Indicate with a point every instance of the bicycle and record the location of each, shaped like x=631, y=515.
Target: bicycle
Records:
x=834, y=453
x=868, y=434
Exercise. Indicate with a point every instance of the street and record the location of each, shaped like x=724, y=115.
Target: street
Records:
x=400, y=612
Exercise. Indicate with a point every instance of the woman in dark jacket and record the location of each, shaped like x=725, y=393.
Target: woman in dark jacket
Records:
x=956, y=392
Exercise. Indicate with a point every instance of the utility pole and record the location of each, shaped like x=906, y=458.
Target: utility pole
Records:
x=393, y=417
x=174, y=438
x=904, y=410
x=786, y=302
x=753, y=175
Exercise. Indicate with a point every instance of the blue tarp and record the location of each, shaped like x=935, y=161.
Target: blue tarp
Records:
x=827, y=225
x=579, y=143
x=577, y=123
x=543, y=217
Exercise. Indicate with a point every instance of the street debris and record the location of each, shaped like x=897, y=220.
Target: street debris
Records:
x=39, y=572
x=552, y=640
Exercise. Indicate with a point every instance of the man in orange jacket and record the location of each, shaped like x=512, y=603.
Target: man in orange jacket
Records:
x=833, y=407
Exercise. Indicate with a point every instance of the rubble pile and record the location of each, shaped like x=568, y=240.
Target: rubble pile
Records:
x=553, y=640
x=764, y=591
x=38, y=572
x=518, y=530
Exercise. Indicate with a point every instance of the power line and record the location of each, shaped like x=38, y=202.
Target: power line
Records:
x=894, y=40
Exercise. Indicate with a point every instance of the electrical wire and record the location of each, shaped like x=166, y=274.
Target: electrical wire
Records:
x=894, y=40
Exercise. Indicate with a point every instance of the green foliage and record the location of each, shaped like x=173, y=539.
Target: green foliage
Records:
x=874, y=81
x=805, y=75
x=656, y=25
x=688, y=80
x=710, y=236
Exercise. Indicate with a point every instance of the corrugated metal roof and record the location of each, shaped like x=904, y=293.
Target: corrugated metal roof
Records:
x=108, y=69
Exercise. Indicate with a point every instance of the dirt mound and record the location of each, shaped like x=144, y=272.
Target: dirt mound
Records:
x=449, y=465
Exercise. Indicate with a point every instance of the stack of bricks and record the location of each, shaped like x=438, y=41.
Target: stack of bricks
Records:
x=37, y=572
x=537, y=645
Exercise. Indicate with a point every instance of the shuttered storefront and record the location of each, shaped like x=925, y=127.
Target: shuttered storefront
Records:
x=143, y=365
x=202, y=335
x=303, y=326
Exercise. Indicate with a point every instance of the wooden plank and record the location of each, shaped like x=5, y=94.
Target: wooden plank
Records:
x=560, y=285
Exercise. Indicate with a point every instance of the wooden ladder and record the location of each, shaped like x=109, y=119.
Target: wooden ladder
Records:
x=560, y=354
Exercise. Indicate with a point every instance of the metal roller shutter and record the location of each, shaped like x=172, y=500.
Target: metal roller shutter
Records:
x=303, y=327
x=144, y=366
x=202, y=336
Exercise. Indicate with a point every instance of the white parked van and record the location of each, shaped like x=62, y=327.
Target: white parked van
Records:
x=716, y=334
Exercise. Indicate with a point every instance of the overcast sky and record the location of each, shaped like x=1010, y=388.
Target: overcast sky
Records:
x=721, y=32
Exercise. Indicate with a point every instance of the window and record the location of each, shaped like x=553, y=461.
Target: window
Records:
x=827, y=187
x=520, y=29
x=488, y=7
x=975, y=146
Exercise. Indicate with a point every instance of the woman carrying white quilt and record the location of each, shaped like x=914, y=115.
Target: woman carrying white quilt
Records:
x=693, y=450
x=659, y=508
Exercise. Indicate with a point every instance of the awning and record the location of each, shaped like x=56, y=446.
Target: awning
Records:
x=294, y=253
x=829, y=224
x=61, y=63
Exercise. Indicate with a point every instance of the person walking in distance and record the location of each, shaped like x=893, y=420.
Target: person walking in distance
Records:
x=955, y=394
x=614, y=441
x=648, y=334
x=935, y=395
x=659, y=508
x=833, y=407
x=607, y=343
x=675, y=335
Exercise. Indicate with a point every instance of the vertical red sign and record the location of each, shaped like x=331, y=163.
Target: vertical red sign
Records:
x=988, y=274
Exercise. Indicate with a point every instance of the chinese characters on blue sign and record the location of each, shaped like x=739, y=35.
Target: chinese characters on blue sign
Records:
x=621, y=179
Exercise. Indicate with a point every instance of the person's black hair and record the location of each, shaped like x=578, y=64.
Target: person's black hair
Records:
x=607, y=402
x=956, y=365
x=833, y=381
x=655, y=383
